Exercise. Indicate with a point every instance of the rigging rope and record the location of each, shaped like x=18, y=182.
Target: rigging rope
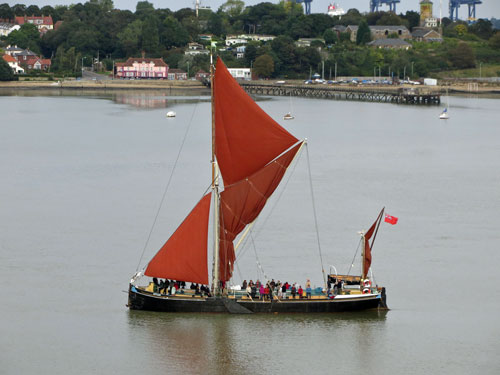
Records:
x=168, y=184
x=314, y=212
x=354, y=257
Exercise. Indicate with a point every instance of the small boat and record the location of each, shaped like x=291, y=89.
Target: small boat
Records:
x=444, y=115
x=289, y=115
x=250, y=156
x=170, y=114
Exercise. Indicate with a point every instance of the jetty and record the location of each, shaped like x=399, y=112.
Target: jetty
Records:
x=382, y=94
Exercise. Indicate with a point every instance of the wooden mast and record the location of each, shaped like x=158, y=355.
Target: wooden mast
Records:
x=215, y=187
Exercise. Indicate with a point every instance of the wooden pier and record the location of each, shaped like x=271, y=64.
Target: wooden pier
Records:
x=399, y=95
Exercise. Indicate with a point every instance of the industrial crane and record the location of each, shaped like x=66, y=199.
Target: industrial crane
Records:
x=455, y=4
x=307, y=5
x=375, y=4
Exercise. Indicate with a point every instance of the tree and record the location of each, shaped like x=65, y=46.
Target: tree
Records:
x=174, y=34
x=264, y=66
x=330, y=37
x=130, y=36
x=462, y=56
x=33, y=10
x=494, y=41
x=6, y=13
x=150, y=39
x=413, y=19
x=6, y=73
x=363, y=35
x=482, y=28
x=232, y=7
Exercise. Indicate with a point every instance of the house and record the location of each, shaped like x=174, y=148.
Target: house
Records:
x=201, y=75
x=43, y=23
x=306, y=42
x=422, y=34
x=390, y=44
x=32, y=63
x=13, y=64
x=206, y=37
x=381, y=32
x=240, y=52
x=177, y=75
x=140, y=67
x=24, y=55
x=196, y=49
x=257, y=37
x=241, y=73
x=235, y=39
x=338, y=29
x=13, y=51
x=7, y=28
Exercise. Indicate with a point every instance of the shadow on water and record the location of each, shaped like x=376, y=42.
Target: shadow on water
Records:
x=173, y=340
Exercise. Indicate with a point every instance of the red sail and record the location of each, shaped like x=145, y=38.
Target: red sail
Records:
x=367, y=261
x=246, y=138
x=241, y=203
x=184, y=255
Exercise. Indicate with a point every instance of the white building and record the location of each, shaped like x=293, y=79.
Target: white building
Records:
x=7, y=28
x=241, y=73
x=234, y=39
x=196, y=49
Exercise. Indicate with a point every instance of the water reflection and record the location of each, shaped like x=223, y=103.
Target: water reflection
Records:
x=245, y=344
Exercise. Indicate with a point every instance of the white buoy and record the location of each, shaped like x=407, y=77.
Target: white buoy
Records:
x=170, y=114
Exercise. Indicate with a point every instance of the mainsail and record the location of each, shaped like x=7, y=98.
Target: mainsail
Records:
x=248, y=145
x=184, y=255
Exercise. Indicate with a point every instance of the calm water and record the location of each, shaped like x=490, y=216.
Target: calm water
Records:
x=82, y=178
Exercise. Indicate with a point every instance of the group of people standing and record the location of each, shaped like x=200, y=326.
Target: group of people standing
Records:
x=272, y=290
x=172, y=287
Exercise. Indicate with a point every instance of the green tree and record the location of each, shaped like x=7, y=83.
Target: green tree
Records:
x=330, y=37
x=6, y=73
x=264, y=66
x=33, y=10
x=174, y=34
x=413, y=19
x=6, y=12
x=130, y=37
x=494, y=41
x=232, y=7
x=462, y=56
x=364, y=34
x=149, y=35
x=482, y=28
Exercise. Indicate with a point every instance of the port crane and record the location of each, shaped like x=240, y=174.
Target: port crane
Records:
x=455, y=4
x=375, y=4
x=307, y=5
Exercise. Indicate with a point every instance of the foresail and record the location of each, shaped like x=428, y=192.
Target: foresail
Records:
x=241, y=203
x=246, y=138
x=184, y=255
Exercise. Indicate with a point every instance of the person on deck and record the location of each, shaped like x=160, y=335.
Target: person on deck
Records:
x=308, y=292
x=283, y=290
x=244, y=285
x=253, y=293
x=261, y=291
x=301, y=291
x=294, y=291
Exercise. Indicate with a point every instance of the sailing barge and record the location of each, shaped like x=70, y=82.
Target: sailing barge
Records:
x=251, y=153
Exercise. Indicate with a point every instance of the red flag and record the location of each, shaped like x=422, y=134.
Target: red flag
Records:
x=391, y=219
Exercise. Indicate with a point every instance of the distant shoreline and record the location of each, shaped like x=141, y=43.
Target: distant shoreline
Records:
x=196, y=88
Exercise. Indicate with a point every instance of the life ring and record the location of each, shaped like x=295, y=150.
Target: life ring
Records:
x=367, y=284
x=366, y=291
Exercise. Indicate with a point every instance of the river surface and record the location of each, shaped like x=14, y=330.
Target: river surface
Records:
x=82, y=178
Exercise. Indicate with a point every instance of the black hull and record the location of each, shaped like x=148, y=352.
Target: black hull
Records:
x=139, y=300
